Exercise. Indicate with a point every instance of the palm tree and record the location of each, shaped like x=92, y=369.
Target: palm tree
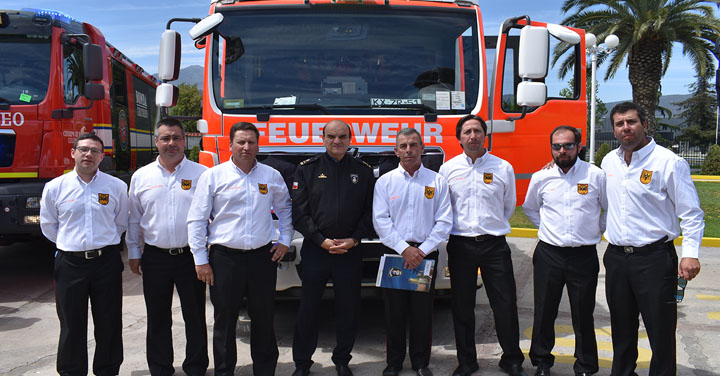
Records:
x=647, y=30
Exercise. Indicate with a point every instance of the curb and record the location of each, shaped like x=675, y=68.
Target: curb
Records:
x=517, y=232
x=711, y=178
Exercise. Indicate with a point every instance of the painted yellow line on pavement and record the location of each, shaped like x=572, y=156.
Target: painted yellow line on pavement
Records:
x=714, y=315
x=517, y=232
x=705, y=178
x=708, y=297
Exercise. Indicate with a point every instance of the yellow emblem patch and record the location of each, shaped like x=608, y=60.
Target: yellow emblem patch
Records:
x=646, y=177
x=103, y=198
x=487, y=177
x=186, y=184
x=429, y=192
x=582, y=189
x=263, y=188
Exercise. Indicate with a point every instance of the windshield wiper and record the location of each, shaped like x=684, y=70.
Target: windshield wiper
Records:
x=429, y=112
x=318, y=107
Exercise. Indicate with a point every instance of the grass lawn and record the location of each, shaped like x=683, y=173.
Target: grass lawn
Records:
x=709, y=193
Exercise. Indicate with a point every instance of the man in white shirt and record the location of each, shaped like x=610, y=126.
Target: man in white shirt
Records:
x=84, y=212
x=237, y=197
x=482, y=191
x=648, y=188
x=159, y=199
x=412, y=215
x=565, y=202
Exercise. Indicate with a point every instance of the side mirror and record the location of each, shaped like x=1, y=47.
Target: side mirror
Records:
x=531, y=94
x=169, y=63
x=94, y=91
x=206, y=26
x=533, y=52
x=202, y=126
x=166, y=95
x=92, y=62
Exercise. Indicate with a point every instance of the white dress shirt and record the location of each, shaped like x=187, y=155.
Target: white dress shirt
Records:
x=566, y=207
x=239, y=207
x=79, y=216
x=646, y=198
x=412, y=209
x=159, y=203
x=482, y=194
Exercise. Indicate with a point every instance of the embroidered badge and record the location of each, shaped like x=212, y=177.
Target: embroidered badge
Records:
x=186, y=184
x=322, y=176
x=429, y=192
x=487, y=177
x=582, y=189
x=263, y=188
x=103, y=198
x=646, y=177
x=295, y=185
x=354, y=178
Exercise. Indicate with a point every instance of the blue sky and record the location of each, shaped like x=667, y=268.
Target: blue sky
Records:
x=135, y=26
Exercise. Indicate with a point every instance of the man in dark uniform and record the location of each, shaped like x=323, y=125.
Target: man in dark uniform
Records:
x=332, y=208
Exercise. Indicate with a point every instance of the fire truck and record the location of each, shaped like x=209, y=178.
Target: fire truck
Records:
x=290, y=66
x=59, y=78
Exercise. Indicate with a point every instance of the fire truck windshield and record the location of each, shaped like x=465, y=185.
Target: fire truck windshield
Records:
x=24, y=69
x=370, y=61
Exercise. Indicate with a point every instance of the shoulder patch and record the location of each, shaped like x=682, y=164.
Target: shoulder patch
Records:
x=310, y=160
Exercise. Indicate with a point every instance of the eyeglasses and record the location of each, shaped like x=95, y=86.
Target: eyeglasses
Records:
x=680, y=293
x=567, y=146
x=85, y=150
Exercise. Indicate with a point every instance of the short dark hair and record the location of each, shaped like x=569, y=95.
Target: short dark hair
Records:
x=244, y=126
x=340, y=121
x=576, y=132
x=170, y=122
x=467, y=118
x=624, y=107
x=407, y=132
x=88, y=136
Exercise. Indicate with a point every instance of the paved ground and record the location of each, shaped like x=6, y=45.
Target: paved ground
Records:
x=29, y=326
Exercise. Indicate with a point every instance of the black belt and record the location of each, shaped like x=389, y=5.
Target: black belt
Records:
x=218, y=247
x=479, y=238
x=659, y=245
x=91, y=254
x=587, y=246
x=170, y=251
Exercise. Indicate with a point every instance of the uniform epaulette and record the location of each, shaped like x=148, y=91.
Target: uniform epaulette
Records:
x=363, y=162
x=310, y=160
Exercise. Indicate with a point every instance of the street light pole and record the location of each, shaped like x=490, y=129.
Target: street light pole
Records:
x=611, y=41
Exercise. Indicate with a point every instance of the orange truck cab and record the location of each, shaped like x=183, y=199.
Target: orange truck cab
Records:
x=290, y=66
x=59, y=78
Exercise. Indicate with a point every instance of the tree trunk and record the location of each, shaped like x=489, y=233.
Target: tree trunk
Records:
x=645, y=72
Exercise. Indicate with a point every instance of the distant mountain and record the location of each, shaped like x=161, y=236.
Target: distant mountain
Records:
x=667, y=101
x=191, y=75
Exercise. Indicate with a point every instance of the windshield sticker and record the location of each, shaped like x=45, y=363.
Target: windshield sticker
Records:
x=284, y=101
x=25, y=97
x=442, y=99
x=458, y=100
x=380, y=102
x=234, y=103
x=428, y=97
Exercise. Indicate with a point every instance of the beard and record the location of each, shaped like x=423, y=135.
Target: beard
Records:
x=565, y=163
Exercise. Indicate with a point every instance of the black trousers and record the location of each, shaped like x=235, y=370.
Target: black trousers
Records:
x=162, y=273
x=555, y=267
x=99, y=280
x=403, y=307
x=237, y=274
x=345, y=272
x=642, y=282
x=492, y=255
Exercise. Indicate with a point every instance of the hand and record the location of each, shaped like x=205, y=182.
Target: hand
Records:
x=342, y=246
x=278, y=250
x=689, y=268
x=327, y=244
x=205, y=273
x=413, y=257
x=549, y=165
x=134, y=266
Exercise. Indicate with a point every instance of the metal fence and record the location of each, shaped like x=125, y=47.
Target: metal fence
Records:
x=694, y=155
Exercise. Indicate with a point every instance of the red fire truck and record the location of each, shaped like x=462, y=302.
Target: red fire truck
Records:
x=59, y=78
x=289, y=66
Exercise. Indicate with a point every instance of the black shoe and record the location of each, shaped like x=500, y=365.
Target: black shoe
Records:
x=301, y=372
x=543, y=371
x=424, y=372
x=465, y=370
x=514, y=370
x=343, y=370
x=391, y=371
